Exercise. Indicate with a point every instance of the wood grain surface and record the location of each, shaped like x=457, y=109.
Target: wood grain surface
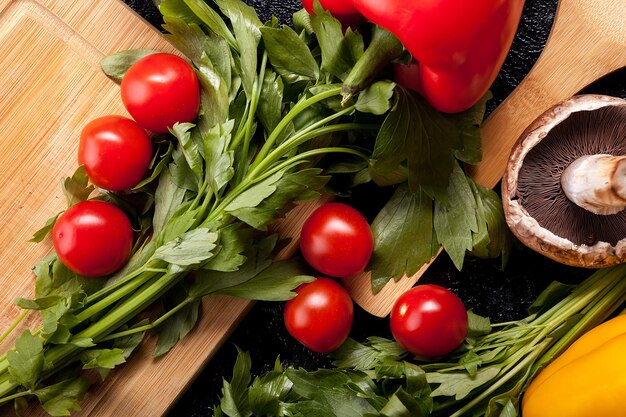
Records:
x=587, y=42
x=50, y=86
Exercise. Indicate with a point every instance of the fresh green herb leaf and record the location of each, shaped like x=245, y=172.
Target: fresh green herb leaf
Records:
x=467, y=141
x=75, y=187
x=331, y=391
x=212, y=19
x=257, y=259
x=38, y=303
x=102, y=358
x=41, y=234
x=190, y=148
x=416, y=134
x=354, y=355
x=376, y=99
x=177, y=326
x=296, y=186
x=553, y=293
x=339, y=51
x=26, y=360
x=116, y=65
x=245, y=24
x=235, y=399
x=178, y=9
x=219, y=160
x=268, y=393
x=168, y=198
x=274, y=283
x=270, y=109
x=128, y=344
x=493, y=236
x=233, y=241
x=460, y=384
x=402, y=235
x=192, y=248
x=63, y=397
x=163, y=159
x=456, y=221
x=477, y=325
x=289, y=55
x=302, y=22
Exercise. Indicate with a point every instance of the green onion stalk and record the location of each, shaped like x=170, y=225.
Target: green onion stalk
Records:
x=532, y=343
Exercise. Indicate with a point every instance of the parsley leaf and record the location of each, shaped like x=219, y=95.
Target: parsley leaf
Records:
x=415, y=134
x=340, y=51
x=26, y=360
x=75, y=187
x=289, y=55
x=116, y=65
x=456, y=221
x=61, y=398
x=402, y=236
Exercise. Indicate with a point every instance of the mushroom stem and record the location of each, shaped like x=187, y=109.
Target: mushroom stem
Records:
x=597, y=183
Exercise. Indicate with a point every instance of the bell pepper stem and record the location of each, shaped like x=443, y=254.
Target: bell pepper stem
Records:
x=383, y=49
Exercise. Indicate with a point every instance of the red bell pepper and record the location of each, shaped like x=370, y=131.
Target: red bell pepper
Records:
x=459, y=45
x=343, y=10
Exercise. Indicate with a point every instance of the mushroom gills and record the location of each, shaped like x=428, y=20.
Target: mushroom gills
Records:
x=596, y=183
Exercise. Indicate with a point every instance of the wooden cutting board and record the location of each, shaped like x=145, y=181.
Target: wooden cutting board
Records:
x=50, y=86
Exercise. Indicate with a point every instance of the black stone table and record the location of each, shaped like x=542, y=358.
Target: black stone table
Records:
x=483, y=287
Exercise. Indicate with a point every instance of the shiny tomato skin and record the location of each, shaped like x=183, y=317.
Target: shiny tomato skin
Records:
x=115, y=151
x=429, y=321
x=336, y=240
x=93, y=238
x=320, y=316
x=160, y=90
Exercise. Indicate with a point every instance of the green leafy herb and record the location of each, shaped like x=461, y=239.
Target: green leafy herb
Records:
x=289, y=55
x=456, y=221
x=63, y=397
x=486, y=376
x=116, y=65
x=26, y=360
x=402, y=236
x=41, y=234
x=75, y=187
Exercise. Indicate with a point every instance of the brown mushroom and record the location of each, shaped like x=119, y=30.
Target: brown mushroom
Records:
x=564, y=189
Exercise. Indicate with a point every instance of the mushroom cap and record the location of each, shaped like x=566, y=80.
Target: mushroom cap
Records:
x=536, y=208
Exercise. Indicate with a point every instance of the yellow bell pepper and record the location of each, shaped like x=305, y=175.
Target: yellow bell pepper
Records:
x=587, y=380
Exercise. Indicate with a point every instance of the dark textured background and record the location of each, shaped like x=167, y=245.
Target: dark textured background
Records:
x=501, y=295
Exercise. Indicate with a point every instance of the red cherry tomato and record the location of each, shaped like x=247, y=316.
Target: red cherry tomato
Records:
x=160, y=90
x=336, y=240
x=320, y=316
x=429, y=321
x=93, y=238
x=115, y=151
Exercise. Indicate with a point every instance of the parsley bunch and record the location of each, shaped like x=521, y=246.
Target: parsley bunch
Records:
x=486, y=376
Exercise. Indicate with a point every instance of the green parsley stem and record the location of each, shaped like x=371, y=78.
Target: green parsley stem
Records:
x=527, y=361
x=288, y=118
x=117, y=284
x=304, y=155
x=13, y=325
x=254, y=103
x=5, y=400
x=115, y=296
x=152, y=325
x=59, y=356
